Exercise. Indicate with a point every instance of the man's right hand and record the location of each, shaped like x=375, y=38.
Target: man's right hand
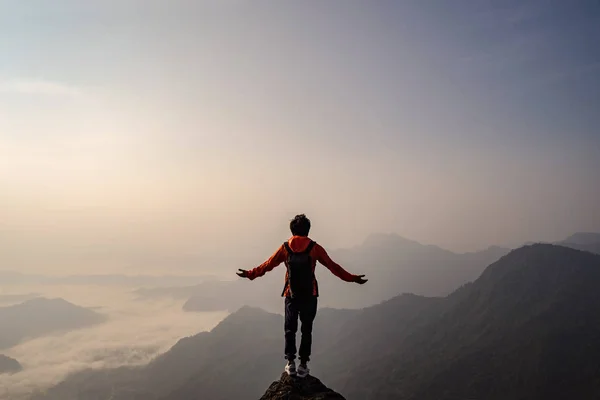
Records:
x=359, y=279
x=242, y=273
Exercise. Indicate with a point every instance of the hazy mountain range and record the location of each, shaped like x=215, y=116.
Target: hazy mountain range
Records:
x=528, y=327
x=40, y=316
x=393, y=265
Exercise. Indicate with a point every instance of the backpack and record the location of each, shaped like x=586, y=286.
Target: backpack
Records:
x=300, y=272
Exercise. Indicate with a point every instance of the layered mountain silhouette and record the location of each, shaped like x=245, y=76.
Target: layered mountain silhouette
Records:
x=393, y=265
x=528, y=327
x=9, y=365
x=396, y=265
x=586, y=241
x=40, y=316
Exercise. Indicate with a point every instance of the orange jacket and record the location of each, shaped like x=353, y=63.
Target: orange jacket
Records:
x=299, y=244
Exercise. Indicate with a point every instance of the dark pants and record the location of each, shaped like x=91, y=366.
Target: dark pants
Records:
x=306, y=309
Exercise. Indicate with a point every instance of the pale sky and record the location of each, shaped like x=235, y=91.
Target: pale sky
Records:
x=147, y=135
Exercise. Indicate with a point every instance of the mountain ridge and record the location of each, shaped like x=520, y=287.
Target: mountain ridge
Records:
x=526, y=328
x=392, y=263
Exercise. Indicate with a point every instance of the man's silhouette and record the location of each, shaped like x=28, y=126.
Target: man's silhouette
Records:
x=300, y=255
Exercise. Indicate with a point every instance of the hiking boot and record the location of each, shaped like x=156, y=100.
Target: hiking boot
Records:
x=303, y=370
x=290, y=368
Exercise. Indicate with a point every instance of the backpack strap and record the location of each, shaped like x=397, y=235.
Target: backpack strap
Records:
x=287, y=248
x=289, y=251
x=309, y=248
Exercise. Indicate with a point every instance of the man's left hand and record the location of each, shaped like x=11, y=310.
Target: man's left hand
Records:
x=242, y=273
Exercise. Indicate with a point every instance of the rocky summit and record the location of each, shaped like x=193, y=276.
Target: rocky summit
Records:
x=293, y=388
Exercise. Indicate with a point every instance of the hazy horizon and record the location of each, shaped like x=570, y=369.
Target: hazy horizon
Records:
x=149, y=136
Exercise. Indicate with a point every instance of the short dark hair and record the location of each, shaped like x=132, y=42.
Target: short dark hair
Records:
x=300, y=225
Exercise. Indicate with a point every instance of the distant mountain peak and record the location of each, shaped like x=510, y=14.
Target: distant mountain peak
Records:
x=387, y=239
x=583, y=238
x=535, y=250
x=245, y=315
x=39, y=316
x=9, y=365
x=46, y=300
x=309, y=388
x=542, y=270
x=496, y=248
x=249, y=311
x=54, y=304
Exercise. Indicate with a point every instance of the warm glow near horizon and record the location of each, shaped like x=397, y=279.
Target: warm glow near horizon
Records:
x=182, y=136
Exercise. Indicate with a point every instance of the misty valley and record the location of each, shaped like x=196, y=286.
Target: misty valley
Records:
x=68, y=328
x=470, y=318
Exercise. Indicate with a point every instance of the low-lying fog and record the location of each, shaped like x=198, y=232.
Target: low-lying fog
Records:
x=135, y=333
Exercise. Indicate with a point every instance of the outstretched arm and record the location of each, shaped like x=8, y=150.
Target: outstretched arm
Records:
x=335, y=268
x=277, y=258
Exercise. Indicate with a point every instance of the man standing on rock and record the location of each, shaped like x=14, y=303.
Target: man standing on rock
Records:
x=300, y=255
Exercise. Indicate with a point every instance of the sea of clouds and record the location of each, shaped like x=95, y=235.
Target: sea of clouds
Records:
x=135, y=332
